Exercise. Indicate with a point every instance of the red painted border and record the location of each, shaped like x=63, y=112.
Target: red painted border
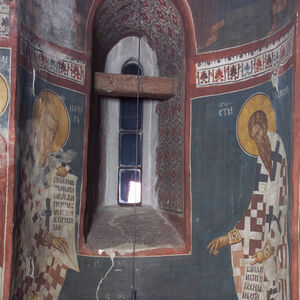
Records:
x=294, y=233
x=82, y=249
x=190, y=46
x=11, y=42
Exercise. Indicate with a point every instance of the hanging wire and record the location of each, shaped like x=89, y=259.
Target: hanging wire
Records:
x=133, y=290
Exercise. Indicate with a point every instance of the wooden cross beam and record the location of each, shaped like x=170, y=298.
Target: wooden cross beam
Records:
x=119, y=85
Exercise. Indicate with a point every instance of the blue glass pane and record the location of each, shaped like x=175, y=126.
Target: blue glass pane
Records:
x=128, y=143
x=128, y=114
x=129, y=186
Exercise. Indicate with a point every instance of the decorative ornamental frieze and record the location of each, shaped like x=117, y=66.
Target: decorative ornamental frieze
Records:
x=55, y=63
x=246, y=65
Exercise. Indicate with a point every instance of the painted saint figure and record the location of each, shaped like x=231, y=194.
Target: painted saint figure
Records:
x=43, y=252
x=259, y=242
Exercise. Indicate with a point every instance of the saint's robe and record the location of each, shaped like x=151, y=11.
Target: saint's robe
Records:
x=264, y=227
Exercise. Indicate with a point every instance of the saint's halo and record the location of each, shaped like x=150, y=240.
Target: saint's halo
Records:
x=257, y=102
x=50, y=100
x=3, y=94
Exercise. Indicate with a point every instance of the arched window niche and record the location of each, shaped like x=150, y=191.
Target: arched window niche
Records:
x=124, y=53
x=162, y=221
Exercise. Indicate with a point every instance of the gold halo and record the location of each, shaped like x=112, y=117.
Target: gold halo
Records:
x=49, y=98
x=3, y=94
x=255, y=103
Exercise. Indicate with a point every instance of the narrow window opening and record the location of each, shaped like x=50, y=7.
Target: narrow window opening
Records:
x=130, y=143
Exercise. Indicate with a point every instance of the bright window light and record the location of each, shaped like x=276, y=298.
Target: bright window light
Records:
x=134, y=194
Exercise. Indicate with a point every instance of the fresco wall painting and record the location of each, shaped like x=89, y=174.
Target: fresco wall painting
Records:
x=218, y=24
x=259, y=249
x=253, y=210
x=240, y=195
x=59, y=22
x=221, y=24
x=49, y=187
x=246, y=65
x=221, y=204
x=54, y=63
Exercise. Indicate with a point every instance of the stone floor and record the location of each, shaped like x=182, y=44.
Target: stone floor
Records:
x=113, y=229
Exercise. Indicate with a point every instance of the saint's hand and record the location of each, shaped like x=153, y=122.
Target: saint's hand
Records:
x=217, y=244
x=258, y=257
x=61, y=171
x=59, y=243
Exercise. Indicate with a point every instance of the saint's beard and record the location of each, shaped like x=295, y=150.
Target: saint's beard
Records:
x=264, y=150
x=42, y=154
x=44, y=145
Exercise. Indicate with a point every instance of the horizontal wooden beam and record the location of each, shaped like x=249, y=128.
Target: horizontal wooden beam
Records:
x=119, y=85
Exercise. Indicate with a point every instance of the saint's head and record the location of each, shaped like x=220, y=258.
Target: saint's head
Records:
x=258, y=125
x=257, y=128
x=46, y=131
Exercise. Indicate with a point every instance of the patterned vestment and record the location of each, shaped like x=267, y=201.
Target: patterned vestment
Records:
x=39, y=271
x=264, y=227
